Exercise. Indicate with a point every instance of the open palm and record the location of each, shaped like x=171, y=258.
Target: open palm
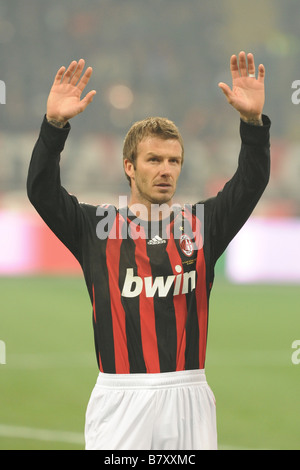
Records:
x=248, y=93
x=64, y=101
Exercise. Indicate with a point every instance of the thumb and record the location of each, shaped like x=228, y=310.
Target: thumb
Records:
x=227, y=92
x=88, y=99
x=226, y=89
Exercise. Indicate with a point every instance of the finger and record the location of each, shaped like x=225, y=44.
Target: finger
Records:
x=85, y=79
x=261, y=73
x=234, y=69
x=58, y=76
x=251, y=64
x=60, y=73
x=76, y=75
x=69, y=72
x=243, y=64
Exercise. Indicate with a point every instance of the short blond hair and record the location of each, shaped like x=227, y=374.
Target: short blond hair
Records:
x=152, y=126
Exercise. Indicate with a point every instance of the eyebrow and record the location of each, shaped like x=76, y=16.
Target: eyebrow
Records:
x=154, y=154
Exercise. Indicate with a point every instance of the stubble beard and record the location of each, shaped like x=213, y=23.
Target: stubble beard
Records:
x=146, y=198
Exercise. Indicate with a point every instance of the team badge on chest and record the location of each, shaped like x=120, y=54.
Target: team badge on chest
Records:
x=186, y=245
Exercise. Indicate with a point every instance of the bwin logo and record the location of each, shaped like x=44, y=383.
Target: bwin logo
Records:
x=2, y=92
x=133, y=285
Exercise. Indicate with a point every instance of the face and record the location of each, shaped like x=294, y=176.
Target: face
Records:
x=158, y=166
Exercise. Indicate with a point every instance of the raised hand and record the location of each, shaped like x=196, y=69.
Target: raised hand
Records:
x=248, y=92
x=64, y=100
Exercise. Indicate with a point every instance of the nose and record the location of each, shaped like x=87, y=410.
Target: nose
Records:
x=165, y=169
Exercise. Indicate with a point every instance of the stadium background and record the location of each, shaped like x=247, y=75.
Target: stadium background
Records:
x=163, y=57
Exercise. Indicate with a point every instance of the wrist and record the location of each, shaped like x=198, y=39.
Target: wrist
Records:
x=253, y=120
x=56, y=122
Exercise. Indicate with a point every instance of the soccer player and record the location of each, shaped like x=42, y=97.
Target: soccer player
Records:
x=149, y=266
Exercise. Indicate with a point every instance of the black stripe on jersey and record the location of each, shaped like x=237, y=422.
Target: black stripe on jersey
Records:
x=165, y=318
x=192, y=324
x=192, y=335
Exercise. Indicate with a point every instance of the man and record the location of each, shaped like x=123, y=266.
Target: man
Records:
x=149, y=267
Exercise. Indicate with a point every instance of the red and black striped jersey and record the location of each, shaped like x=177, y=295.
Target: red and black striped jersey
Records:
x=152, y=312
x=149, y=283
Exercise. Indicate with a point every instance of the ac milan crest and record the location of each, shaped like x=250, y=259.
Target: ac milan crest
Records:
x=186, y=245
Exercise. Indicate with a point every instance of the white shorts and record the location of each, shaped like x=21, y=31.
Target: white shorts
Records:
x=167, y=411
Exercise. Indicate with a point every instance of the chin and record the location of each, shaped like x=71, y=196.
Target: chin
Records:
x=156, y=197
x=162, y=199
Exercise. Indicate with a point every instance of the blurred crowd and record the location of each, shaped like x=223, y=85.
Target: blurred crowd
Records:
x=163, y=57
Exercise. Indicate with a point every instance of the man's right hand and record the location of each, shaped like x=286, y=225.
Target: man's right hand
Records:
x=64, y=101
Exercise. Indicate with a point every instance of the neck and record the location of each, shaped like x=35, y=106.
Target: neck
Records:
x=147, y=210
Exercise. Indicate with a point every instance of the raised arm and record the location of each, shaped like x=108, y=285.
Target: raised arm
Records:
x=247, y=95
x=64, y=101
x=61, y=211
x=230, y=209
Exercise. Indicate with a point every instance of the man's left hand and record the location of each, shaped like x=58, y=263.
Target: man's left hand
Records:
x=248, y=92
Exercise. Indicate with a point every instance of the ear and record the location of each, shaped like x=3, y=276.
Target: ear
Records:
x=129, y=168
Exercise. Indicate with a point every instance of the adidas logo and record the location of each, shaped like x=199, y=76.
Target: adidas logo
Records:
x=156, y=241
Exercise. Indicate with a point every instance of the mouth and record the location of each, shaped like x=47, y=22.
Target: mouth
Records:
x=163, y=185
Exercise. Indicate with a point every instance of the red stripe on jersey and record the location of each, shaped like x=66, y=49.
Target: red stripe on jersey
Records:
x=179, y=302
x=201, y=299
x=117, y=311
x=100, y=363
x=201, y=293
x=147, y=315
